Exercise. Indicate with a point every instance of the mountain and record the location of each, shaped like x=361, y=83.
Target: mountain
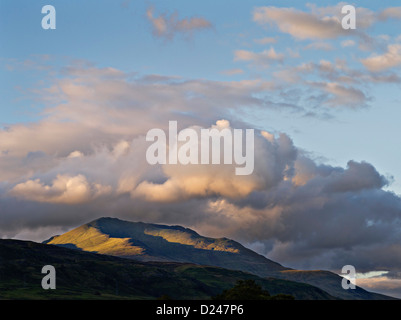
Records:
x=154, y=242
x=84, y=275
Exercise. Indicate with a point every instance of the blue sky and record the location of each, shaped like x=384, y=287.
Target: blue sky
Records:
x=75, y=103
x=118, y=34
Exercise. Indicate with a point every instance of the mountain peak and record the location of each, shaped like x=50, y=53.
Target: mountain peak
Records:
x=158, y=242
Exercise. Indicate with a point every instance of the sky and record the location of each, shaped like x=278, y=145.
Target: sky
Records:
x=76, y=103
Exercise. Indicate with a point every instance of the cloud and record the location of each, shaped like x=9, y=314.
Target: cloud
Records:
x=299, y=24
x=390, y=59
x=64, y=190
x=322, y=23
x=339, y=84
x=183, y=182
x=381, y=284
x=168, y=26
x=82, y=100
x=264, y=58
x=343, y=95
x=390, y=13
x=358, y=176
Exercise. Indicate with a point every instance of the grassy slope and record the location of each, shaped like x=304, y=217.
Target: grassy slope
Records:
x=84, y=275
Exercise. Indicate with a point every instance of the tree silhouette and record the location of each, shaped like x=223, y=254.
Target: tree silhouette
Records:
x=249, y=290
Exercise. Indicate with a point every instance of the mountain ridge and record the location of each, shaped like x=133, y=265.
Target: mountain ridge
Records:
x=156, y=242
